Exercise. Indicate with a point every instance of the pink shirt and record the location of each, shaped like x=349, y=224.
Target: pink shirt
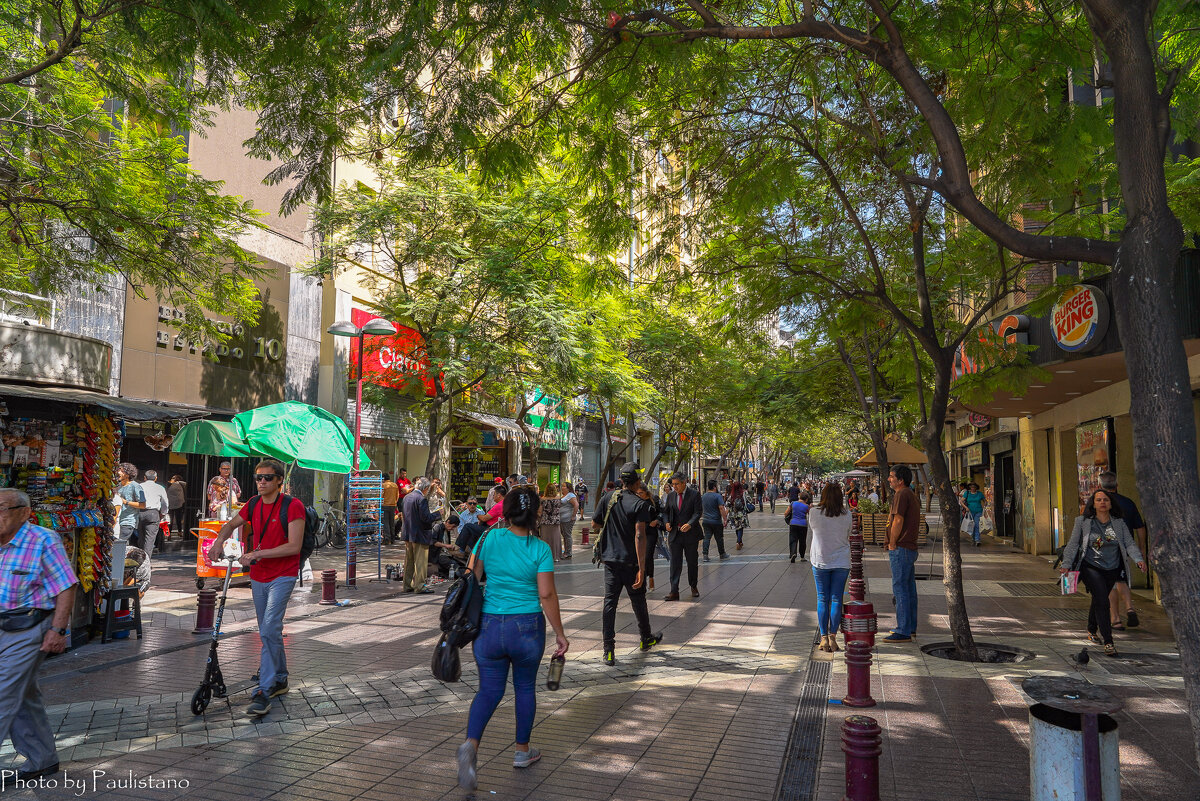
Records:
x=496, y=513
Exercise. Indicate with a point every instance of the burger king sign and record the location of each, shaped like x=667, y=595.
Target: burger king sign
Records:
x=1080, y=318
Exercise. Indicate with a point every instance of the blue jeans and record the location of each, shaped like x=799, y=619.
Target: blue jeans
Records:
x=831, y=583
x=518, y=640
x=904, y=587
x=975, y=520
x=270, y=603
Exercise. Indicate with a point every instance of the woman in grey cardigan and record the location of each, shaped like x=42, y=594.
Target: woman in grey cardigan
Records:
x=1099, y=541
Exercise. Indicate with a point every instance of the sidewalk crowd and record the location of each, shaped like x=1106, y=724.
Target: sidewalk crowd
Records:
x=690, y=696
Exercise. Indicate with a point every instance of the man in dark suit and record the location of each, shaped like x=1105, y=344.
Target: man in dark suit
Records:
x=418, y=536
x=682, y=511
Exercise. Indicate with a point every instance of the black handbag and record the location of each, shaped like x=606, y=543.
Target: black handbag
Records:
x=446, y=664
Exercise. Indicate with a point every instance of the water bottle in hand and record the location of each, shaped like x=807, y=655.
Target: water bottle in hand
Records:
x=554, y=676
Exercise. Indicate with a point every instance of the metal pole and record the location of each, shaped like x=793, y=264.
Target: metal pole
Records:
x=1091, y=755
x=358, y=408
x=351, y=547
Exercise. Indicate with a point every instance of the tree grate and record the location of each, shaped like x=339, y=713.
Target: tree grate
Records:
x=1031, y=589
x=798, y=779
x=1065, y=615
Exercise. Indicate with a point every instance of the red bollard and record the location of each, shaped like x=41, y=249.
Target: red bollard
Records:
x=859, y=622
x=584, y=541
x=858, y=675
x=206, y=610
x=861, y=742
x=328, y=587
x=858, y=585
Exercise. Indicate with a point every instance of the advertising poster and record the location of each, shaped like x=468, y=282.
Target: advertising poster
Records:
x=1093, y=443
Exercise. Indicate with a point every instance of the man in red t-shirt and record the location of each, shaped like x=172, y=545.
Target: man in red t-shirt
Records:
x=403, y=482
x=272, y=553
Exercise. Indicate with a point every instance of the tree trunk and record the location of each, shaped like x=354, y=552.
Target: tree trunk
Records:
x=939, y=475
x=433, y=463
x=1161, y=406
x=870, y=416
x=662, y=451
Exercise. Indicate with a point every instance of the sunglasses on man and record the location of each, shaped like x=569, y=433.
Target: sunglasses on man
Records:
x=261, y=477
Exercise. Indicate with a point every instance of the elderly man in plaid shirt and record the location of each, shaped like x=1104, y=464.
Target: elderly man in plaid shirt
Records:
x=37, y=587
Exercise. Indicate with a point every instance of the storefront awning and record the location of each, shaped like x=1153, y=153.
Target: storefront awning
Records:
x=505, y=427
x=898, y=452
x=134, y=411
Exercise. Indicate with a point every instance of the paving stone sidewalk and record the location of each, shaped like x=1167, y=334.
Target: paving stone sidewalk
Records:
x=706, y=716
x=703, y=716
x=960, y=731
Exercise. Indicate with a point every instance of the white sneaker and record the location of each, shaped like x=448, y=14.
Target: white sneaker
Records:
x=523, y=759
x=466, y=767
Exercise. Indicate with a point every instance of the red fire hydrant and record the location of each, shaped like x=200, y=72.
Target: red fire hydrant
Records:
x=206, y=608
x=328, y=587
x=859, y=622
x=861, y=742
x=858, y=675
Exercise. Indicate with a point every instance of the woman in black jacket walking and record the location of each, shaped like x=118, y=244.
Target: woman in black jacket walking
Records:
x=1099, y=541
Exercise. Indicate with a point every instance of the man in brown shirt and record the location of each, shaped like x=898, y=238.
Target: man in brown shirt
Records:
x=903, y=526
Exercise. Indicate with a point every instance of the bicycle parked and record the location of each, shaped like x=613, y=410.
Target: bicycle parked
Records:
x=332, y=531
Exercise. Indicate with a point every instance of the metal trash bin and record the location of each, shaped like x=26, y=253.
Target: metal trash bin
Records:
x=1073, y=741
x=1056, y=758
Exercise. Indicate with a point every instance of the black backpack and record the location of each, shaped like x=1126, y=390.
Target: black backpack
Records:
x=312, y=522
x=462, y=608
x=462, y=613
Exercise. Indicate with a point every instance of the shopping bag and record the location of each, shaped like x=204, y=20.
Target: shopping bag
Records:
x=986, y=523
x=1069, y=582
x=968, y=525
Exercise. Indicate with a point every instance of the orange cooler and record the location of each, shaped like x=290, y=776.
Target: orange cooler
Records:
x=206, y=536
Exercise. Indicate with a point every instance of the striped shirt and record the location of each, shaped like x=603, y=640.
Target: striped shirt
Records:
x=34, y=569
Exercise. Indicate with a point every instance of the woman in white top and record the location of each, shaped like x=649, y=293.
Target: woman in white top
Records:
x=829, y=524
x=567, y=513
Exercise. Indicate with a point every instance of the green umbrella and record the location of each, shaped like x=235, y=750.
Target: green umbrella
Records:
x=211, y=438
x=311, y=437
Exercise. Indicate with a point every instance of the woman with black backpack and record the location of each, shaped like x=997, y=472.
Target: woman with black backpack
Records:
x=517, y=600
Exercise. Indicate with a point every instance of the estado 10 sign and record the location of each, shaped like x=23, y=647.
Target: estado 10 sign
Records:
x=1079, y=320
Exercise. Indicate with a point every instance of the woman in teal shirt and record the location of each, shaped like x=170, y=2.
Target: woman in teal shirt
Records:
x=973, y=498
x=517, y=600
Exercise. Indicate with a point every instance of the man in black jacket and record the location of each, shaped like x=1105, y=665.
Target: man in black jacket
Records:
x=623, y=552
x=681, y=511
x=418, y=536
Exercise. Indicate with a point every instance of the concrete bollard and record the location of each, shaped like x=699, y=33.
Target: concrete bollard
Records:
x=862, y=744
x=858, y=675
x=328, y=587
x=857, y=586
x=859, y=622
x=206, y=610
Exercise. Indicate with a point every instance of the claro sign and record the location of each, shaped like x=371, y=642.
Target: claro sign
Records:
x=1079, y=321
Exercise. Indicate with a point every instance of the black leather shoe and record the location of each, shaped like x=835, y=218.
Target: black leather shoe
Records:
x=28, y=775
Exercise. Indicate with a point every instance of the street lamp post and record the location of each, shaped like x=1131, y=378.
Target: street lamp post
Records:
x=375, y=327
